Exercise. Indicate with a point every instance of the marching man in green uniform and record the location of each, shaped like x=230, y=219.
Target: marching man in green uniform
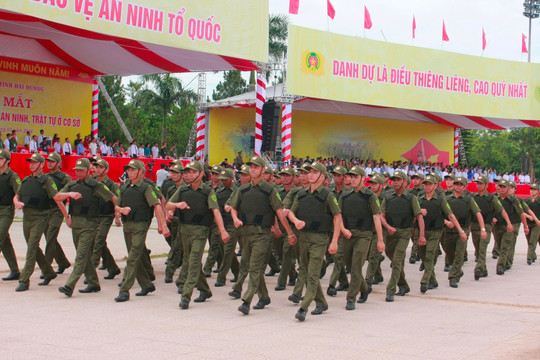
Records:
x=435, y=209
x=176, y=253
x=534, y=233
x=215, y=245
x=490, y=206
x=400, y=209
x=464, y=208
x=137, y=203
x=84, y=208
x=106, y=217
x=35, y=198
x=198, y=206
x=374, y=273
x=53, y=250
x=314, y=211
x=253, y=209
x=361, y=214
x=229, y=261
x=9, y=185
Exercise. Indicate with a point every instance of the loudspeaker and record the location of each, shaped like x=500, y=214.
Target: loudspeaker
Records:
x=270, y=122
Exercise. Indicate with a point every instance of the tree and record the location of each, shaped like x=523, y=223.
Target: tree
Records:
x=527, y=141
x=108, y=126
x=166, y=93
x=232, y=84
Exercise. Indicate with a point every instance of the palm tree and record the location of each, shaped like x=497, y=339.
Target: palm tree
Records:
x=167, y=91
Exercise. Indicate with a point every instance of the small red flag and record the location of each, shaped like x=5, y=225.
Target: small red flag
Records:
x=330, y=9
x=293, y=6
x=413, y=27
x=524, y=44
x=444, y=34
x=483, y=40
x=367, y=19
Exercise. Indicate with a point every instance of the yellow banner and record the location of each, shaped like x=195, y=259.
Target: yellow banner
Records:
x=30, y=103
x=345, y=68
x=237, y=28
x=328, y=135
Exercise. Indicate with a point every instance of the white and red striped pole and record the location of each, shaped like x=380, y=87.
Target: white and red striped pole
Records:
x=286, y=133
x=95, y=108
x=201, y=136
x=456, y=146
x=261, y=99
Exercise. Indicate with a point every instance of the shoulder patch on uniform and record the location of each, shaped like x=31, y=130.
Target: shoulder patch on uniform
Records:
x=378, y=202
x=118, y=191
x=154, y=194
x=213, y=196
x=106, y=187
x=448, y=206
x=54, y=186
x=278, y=196
x=18, y=181
x=335, y=201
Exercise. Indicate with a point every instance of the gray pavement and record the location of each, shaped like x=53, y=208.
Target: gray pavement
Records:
x=495, y=318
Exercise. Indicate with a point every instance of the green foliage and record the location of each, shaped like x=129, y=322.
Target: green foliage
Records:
x=503, y=149
x=232, y=84
x=145, y=106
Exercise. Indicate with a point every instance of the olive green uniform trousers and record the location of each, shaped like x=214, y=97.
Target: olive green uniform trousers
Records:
x=135, y=237
x=84, y=232
x=355, y=253
x=6, y=219
x=396, y=248
x=194, y=240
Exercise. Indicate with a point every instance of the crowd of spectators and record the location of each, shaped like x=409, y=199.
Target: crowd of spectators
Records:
x=88, y=146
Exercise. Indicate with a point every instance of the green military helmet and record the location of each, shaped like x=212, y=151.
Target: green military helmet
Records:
x=268, y=170
x=102, y=162
x=357, y=170
x=256, y=160
x=437, y=176
x=54, y=157
x=399, y=175
x=288, y=170
x=176, y=168
x=376, y=178
x=482, y=179
x=296, y=172
x=450, y=176
x=216, y=169
x=430, y=179
x=135, y=164
x=461, y=180
x=82, y=164
x=535, y=187
x=386, y=174
x=418, y=175
x=304, y=167
x=503, y=182
x=341, y=170
x=195, y=165
x=276, y=173
x=226, y=174
x=244, y=170
x=37, y=158
x=4, y=154
x=317, y=166
x=513, y=184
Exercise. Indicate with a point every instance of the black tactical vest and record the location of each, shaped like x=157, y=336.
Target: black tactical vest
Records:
x=255, y=205
x=312, y=210
x=535, y=208
x=107, y=207
x=508, y=204
x=484, y=203
x=356, y=210
x=32, y=193
x=222, y=197
x=6, y=191
x=58, y=177
x=133, y=197
x=434, y=219
x=198, y=212
x=398, y=210
x=88, y=205
x=170, y=192
x=460, y=208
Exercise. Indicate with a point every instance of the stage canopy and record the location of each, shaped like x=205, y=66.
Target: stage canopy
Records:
x=309, y=104
x=111, y=37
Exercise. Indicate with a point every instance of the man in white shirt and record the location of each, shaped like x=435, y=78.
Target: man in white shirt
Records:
x=41, y=137
x=93, y=147
x=104, y=148
x=27, y=138
x=133, y=149
x=527, y=179
x=6, y=142
x=161, y=175
x=66, y=148
x=155, y=151
x=32, y=145
x=141, y=151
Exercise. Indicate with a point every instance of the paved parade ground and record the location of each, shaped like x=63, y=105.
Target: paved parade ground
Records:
x=497, y=317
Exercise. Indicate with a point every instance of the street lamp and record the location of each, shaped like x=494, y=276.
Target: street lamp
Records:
x=531, y=11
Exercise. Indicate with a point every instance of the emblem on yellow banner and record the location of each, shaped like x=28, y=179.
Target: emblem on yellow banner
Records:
x=312, y=62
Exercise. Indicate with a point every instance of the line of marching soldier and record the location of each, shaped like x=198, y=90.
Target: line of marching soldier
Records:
x=294, y=221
